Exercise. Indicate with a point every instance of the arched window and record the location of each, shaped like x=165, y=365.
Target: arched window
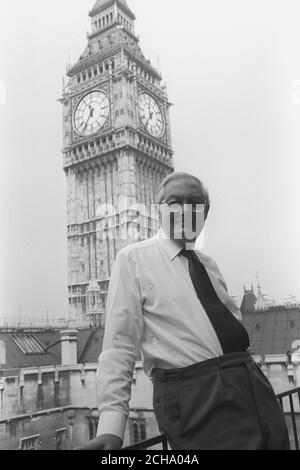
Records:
x=142, y=431
x=136, y=436
x=137, y=429
x=92, y=425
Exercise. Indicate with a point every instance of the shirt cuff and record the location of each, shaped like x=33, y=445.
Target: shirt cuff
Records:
x=112, y=422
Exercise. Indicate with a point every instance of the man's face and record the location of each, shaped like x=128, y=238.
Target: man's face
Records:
x=182, y=213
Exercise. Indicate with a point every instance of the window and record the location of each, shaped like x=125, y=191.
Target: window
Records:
x=28, y=344
x=60, y=438
x=92, y=425
x=30, y=443
x=2, y=353
x=137, y=430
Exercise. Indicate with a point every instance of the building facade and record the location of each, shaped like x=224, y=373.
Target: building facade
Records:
x=51, y=402
x=55, y=407
x=117, y=149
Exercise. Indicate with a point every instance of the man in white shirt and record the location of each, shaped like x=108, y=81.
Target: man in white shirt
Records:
x=169, y=302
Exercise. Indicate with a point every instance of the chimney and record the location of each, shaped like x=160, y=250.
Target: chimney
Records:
x=68, y=339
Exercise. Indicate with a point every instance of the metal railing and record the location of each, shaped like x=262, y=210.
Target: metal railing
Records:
x=292, y=399
x=150, y=443
x=9, y=326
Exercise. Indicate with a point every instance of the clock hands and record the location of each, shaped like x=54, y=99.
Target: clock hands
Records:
x=150, y=117
x=90, y=116
x=91, y=111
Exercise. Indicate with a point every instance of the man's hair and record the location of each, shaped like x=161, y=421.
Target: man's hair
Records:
x=177, y=175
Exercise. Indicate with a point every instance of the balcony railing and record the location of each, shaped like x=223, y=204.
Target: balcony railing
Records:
x=290, y=402
x=150, y=443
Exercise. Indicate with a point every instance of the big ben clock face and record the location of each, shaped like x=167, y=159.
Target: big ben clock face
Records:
x=91, y=113
x=151, y=115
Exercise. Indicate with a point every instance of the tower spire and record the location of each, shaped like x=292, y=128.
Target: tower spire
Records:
x=258, y=284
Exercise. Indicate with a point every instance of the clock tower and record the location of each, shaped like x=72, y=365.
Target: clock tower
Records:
x=117, y=149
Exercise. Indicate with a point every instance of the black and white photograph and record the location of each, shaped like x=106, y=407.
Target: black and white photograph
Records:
x=149, y=227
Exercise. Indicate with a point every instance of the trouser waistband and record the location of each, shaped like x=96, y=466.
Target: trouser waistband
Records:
x=228, y=360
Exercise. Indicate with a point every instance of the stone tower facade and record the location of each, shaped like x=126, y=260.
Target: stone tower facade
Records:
x=117, y=149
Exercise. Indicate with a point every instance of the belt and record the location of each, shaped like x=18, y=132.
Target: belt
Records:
x=228, y=360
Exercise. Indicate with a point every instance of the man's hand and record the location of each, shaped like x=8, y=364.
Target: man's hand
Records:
x=103, y=442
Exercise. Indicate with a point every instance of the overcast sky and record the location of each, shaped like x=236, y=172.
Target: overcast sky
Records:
x=233, y=74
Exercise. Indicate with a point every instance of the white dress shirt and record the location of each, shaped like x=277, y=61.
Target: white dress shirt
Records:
x=153, y=310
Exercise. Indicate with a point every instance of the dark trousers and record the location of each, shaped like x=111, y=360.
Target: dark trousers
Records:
x=219, y=404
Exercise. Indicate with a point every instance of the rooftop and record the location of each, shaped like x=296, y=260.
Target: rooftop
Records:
x=42, y=347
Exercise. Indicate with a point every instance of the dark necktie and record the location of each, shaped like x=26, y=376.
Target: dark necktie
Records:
x=231, y=333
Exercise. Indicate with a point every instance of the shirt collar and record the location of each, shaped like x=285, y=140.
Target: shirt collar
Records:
x=172, y=247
